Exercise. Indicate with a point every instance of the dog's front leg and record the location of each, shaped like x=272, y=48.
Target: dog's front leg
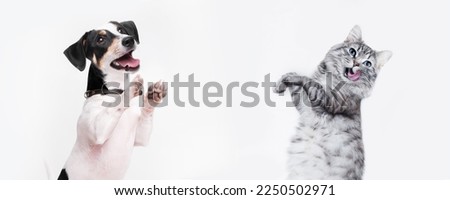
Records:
x=100, y=120
x=156, y=92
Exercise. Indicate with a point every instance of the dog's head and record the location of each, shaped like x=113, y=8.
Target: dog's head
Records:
x=108, y=48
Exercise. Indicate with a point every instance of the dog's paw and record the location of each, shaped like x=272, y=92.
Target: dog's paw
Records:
x=283, y=83
x=156, y=92
x=136, y=86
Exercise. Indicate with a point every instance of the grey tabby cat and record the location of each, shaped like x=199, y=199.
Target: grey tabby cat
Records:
x=328, y=142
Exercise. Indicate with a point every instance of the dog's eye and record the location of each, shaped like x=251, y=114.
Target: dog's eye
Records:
x=367, y=63
x=120, y=30
x=100, y=39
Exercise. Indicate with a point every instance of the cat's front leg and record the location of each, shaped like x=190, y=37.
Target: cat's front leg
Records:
x=288, y=80
x=315, y=93
x=295, y=83
x=331, y=101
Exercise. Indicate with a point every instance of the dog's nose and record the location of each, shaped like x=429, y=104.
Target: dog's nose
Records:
x=128, y=42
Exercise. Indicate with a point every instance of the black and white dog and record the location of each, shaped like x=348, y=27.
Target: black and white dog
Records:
x=107, y=133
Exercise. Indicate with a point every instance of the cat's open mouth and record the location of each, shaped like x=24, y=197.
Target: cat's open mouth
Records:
x=352, y=73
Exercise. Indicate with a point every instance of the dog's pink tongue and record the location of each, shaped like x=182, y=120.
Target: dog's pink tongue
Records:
x=128, y=61
x=354, y=76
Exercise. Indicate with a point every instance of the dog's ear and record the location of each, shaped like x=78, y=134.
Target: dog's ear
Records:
x=75, y=53
x=131, y=29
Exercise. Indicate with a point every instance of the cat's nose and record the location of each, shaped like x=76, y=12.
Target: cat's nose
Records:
x=355, y=63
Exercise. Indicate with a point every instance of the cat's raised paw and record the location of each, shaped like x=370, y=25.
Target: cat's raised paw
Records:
x=280, y=87
x=284, y=82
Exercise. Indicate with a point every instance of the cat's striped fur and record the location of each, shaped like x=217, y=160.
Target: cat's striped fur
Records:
x=328, y=141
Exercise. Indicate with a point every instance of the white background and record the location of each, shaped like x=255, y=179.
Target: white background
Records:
x=405, y=121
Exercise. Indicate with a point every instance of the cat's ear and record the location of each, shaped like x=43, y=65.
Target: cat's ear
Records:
x=383, y=57
x=355, y=35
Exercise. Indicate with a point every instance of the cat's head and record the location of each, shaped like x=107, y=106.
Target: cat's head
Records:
x=355, y=63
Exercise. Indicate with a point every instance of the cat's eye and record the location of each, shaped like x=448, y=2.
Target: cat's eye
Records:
x=352, y=52
x=367, y=63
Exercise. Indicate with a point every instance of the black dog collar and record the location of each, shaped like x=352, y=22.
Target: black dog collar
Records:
x=102, y=91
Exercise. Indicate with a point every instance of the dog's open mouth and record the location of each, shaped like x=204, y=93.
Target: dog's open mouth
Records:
x=352, y=73
x=126, y=62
